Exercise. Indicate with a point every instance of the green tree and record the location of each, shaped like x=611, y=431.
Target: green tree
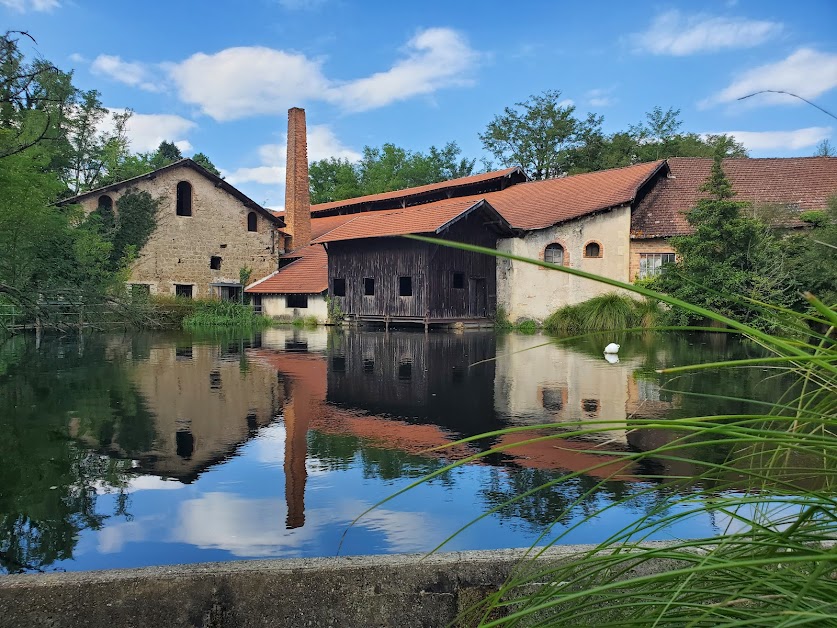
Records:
x=166, y=153
x=385, y=169
x=537, y=134
x=729, y=258
x=812, y=256
x=203, y=160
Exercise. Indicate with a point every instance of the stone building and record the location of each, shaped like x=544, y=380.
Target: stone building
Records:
x=207, y=232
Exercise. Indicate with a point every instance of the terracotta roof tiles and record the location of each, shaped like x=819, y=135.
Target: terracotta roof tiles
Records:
x=483, y=177
x=802, y=183
x=307, y=275
x=427, y=218
x=541, y=204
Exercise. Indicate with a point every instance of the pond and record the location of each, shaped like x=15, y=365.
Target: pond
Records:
x=134, y=449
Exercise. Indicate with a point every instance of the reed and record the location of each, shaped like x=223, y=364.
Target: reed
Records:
x=774, y=561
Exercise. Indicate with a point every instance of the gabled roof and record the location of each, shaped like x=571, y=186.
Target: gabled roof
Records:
x=801, y=183
x=474, y=184
x=429, y=218
x=182, y=163
x=308, y=274
x=542, y=204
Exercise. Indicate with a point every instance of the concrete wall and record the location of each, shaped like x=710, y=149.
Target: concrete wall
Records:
x=527, y=291
x=650, y=245
x=362, y=591
x=275, y=305
x=180, y=248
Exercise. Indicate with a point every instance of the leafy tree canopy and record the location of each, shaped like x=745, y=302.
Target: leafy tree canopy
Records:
x=385, y=169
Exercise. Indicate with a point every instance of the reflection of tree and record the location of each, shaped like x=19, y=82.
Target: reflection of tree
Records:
x=557, y=504
x=338, y=452
x=48, y=397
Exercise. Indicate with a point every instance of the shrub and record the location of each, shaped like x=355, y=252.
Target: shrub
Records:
x=526, y=326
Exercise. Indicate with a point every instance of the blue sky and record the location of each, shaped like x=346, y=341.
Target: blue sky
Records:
x=219, y=77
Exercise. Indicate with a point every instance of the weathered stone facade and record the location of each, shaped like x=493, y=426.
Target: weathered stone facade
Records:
x=527, y=291
x=181, y=249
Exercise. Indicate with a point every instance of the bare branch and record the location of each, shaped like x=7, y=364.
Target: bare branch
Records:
x=779, y=91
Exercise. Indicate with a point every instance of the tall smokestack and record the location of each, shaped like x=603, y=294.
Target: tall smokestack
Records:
x=297, y=195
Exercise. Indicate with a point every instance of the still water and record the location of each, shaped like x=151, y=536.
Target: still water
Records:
x=125, y=450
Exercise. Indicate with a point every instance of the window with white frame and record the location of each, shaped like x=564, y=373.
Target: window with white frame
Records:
x=651, y=263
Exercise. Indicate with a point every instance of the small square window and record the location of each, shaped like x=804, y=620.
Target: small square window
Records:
x=590, y=406
x=215, y=263
x=339, y=287
x=368, y=286
x=183, y=290
x=405, y=286
x=458, y=281
x=368, y=365
x=338, y=364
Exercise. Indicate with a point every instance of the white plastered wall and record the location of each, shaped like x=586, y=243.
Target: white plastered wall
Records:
x=275, y=305
x=531, y=292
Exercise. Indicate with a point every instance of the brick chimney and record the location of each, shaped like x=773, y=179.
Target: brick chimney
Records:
x=297, y=195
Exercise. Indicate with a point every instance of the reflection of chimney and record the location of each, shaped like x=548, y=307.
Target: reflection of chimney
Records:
x=296, y=450
x=297, y=196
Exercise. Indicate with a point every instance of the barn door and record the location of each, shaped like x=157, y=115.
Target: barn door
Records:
x=478, y=297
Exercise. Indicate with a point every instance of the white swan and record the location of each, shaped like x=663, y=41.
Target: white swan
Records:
x=611, y=358
x=612, y=348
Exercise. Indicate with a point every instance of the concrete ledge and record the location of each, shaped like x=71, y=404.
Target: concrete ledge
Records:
x=367, y=591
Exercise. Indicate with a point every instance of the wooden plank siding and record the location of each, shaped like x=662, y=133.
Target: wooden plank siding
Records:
x=430, y=267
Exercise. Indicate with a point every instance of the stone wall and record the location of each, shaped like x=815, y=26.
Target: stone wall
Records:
x=180, y=249
x=275, y=305
x=527, y=291
x=650, y=245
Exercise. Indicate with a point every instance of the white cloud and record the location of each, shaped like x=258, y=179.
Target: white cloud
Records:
x=673, y=33
x=567, y=102
x=437, y=58
x=256, y=80
x=781, y=140
x=130, y=73
x=240, y=82
x=806, y=72
x=78, y=58
x=145, y=131
x=322, y=144
x=600, y=97
x=22, y=6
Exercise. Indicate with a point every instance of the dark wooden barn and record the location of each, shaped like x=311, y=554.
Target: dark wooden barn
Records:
x=376, y=275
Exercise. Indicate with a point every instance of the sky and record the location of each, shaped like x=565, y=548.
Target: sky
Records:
x=218, y=77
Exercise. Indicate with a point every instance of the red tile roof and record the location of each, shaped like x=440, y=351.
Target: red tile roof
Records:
x=429, y=218
x=307, y=275
x=800, y=182
x=485, y=177
x=541, y=204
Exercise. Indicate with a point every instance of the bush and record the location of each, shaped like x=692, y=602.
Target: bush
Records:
x=608, y=312
x=526, y=326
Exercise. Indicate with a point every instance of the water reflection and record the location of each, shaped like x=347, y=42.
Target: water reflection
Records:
x=251, y=429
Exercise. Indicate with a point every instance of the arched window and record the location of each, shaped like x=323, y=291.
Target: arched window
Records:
x=105, y=203
x=252, y=224
x=184, y=199
x=554, y=254
x=593, y=249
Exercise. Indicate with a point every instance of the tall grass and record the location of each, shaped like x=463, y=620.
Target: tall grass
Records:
x=773, y=560
x=217, y=313
x=606, y=312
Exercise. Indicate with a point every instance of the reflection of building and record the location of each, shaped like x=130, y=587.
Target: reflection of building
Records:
x=417, y=376
x=206, y=401
x=555, y=384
